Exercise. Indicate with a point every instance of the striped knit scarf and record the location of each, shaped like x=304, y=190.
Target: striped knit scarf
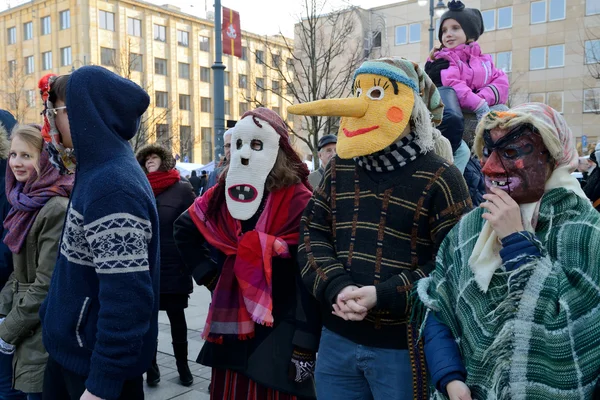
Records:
x=534, y=334
x=396, y=155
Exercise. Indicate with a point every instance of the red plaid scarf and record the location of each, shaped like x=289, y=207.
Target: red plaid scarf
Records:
x=243, y=295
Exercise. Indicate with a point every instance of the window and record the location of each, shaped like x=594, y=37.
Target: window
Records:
x=65, y=56
x=437, y=27
x=556, y=56
x=592, y=51
x=592, y=7
x=401, y=36
x=31, y=97
x=207, y=148
x=244, y=53
x=162, y=135
x=537, y=97
x=160, y=66
x=106, y=20
x=260, y=57
x=260, y=85
x=276, y=110
x=205, y=74
x=28, y=31
x=558, y=10
x=12, y=68
x=555, y=100
x=161, y=99
x=243, y=81
x=134, y=27
x=185, y=143
x=107, y=56
x=135, y=62
x=205, y=104
x=183, y=38
x=12, y=35
x=415, y=33
x=184, y=70
x=376, y=39
x=242, y=108
x=289, y=89
x=504, y=61
x=47, y=60
x=226, y=78
x=538, y=12
x=65, y=19
x=204, y=43
x=185, y=102
x=505, y=18
x=276, y=87
x=160, y=33
x=591, y=100
x=29, y=65
x=46, y=27
x=537, y=58
x=206, y=134
x=289, y=63
x=276, y=60
x=489, y=19
x=227, y=107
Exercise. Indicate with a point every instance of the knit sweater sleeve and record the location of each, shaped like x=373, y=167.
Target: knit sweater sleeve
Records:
x=448, y=200
x=119, y=242
x=323, y=274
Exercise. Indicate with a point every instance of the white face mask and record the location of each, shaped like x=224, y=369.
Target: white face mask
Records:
x=253, y=155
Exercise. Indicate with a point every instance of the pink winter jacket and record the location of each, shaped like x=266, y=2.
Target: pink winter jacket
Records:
x=473, y=76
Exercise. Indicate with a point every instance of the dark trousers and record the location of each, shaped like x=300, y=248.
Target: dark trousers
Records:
x=61, y=384
x=178, y=325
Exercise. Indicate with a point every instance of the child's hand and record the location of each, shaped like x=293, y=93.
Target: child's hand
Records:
x=482, y=110
x=458, y=390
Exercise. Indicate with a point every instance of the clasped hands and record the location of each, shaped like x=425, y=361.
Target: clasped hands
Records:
x=353, y=303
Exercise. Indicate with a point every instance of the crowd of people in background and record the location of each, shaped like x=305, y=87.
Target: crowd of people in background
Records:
x=419, y=260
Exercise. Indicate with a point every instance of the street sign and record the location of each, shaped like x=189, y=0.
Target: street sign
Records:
x=584, y=142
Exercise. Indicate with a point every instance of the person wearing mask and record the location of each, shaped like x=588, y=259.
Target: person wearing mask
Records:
x=173, y=196
x=195, y=182
x=326, y=147
x=39, y=196
x=214, y=175
x=592, y=186
x=100, y=319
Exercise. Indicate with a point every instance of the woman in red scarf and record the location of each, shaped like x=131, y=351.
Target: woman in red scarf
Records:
x=39, y=197
x=240, y=239
x=173, y=196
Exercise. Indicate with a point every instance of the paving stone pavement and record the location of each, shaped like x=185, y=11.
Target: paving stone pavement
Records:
x=169, y=387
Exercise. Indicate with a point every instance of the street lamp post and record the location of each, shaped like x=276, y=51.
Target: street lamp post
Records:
x=218, y=87
x=439, y=9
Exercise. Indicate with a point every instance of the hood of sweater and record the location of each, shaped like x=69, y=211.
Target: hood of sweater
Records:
x=462, y=52
x=104, y=111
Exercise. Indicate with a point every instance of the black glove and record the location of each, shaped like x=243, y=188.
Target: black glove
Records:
x=302, y=365
x=434, y=70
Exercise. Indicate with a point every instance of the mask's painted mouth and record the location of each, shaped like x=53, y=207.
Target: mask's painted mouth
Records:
x=242, y=193
x=359, y=131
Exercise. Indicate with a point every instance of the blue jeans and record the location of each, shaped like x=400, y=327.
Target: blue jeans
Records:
x=349, y=371
x=6, y=390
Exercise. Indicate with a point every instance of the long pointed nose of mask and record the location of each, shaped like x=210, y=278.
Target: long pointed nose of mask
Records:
x=350, y=107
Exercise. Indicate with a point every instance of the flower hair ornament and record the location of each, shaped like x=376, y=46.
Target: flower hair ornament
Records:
x=61, y=157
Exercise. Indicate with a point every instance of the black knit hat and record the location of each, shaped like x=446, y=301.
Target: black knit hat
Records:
x=470, y=20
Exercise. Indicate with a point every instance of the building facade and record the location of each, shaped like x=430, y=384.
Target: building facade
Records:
x=167, y=52
x=550, y=50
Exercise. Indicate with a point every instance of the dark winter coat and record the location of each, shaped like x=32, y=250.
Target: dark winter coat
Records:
x=453, y=122
x=592, y=188
x=7, y=122
x=174, y=276
x=196, y=184
x=475, y=181
x=266, y=357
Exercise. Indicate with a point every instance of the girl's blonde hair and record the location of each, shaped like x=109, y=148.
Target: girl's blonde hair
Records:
x=31, y=135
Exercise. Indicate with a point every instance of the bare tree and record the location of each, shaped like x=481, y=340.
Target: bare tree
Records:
x=18, y=91
x=327, y=49
x=154, y=125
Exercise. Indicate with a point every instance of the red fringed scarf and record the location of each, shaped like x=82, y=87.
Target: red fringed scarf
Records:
x=161, y=181
x=243, y=295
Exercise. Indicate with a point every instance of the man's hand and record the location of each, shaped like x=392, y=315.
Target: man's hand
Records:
x=504, y=213
x=365, y=297
x=88, y=396
x=348, y=310
x=458, y=390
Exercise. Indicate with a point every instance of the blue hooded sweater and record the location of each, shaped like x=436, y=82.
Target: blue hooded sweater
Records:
x=100, y=319
x=7, y=123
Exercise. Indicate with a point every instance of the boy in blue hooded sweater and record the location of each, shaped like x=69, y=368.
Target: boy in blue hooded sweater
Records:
x=100, y=319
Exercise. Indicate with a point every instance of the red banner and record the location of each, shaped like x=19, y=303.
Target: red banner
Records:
x=232, y=33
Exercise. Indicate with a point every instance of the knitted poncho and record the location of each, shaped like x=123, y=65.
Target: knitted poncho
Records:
x=535, y=333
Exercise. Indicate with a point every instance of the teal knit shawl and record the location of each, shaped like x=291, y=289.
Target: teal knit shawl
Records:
x=535, y=334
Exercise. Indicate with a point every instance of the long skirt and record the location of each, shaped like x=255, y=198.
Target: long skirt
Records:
x=228, y=385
